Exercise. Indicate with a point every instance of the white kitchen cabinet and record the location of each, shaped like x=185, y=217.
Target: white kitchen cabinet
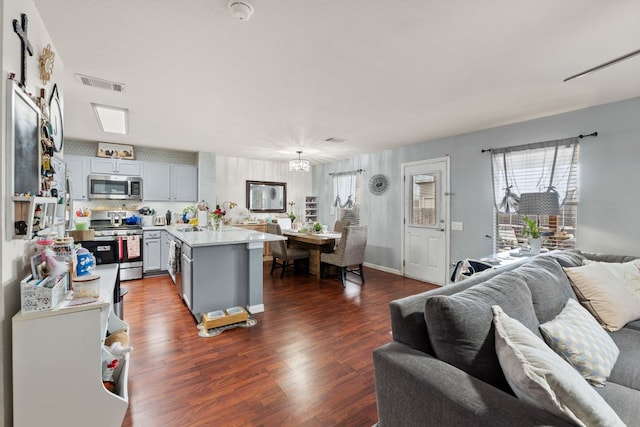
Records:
x=184, y=183
x=115, y=166
x=78, y=168
x=151, y=260
x=170, y=182
x=58, y=362
x=156, y=182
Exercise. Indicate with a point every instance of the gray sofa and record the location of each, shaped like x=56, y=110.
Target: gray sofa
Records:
x=415, y=388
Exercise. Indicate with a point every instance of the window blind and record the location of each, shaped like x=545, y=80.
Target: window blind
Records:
x=536, y=168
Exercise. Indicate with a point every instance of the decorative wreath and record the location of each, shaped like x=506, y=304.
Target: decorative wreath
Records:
x=378, y=184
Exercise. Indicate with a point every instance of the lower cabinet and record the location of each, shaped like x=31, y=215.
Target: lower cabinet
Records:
x=156, y=251
x=58, y=360
x=151, y=256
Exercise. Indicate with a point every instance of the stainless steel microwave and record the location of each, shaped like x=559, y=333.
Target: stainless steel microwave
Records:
x=116, y=187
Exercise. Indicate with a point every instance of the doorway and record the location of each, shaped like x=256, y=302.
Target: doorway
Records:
x=426, y=220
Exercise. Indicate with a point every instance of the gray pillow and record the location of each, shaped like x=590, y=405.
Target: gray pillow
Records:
x=549, y=285
x=567, y=258
x=461, y=330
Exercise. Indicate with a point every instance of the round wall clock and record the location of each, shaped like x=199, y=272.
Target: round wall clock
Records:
x=55, y=118
x=378, y=184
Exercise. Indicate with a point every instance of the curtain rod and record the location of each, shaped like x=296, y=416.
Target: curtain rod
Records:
x=347, y=172
x=594, y=134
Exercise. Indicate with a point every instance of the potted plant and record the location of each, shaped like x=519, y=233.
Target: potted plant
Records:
x=292, y=216
x=531, y=229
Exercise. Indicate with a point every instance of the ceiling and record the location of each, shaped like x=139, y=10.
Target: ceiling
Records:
x=378, y=73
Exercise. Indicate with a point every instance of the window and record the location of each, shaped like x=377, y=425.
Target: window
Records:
x=346, y=195
x=424, y=210
x=543, y=167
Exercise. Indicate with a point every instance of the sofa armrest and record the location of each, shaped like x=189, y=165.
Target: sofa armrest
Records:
x=416, y=389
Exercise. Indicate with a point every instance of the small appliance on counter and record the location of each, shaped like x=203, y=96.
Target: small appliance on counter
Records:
x=159, y=220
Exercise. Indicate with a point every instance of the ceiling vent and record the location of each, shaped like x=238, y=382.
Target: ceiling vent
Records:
x=336, y=140
x=100, y=83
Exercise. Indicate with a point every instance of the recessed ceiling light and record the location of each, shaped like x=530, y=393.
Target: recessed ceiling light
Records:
x=112, y=119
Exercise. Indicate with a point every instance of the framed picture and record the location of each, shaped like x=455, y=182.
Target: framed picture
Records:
x=24, y=139
x=115, y=151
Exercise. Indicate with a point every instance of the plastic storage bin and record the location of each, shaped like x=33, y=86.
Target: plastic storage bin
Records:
x=38, y=297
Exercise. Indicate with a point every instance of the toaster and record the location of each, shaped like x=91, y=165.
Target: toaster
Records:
x=159, y=220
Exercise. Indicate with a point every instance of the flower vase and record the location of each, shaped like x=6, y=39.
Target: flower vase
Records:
x=217, y=223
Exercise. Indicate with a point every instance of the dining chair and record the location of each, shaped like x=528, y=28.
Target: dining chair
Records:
x=349, y=253
x=282, y=254
x=340, y=225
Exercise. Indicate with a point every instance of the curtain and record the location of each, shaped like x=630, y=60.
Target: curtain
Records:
x=532, y=168
x=344, y=192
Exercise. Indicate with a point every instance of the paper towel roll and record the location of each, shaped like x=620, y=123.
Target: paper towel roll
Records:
x=202, y=218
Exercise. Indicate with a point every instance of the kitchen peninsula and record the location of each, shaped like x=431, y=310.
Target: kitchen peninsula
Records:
x=221, y=269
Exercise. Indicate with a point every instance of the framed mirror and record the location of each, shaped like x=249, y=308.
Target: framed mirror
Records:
x=265, y=196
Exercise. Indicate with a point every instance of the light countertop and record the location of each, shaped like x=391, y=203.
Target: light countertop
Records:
x=227, y=236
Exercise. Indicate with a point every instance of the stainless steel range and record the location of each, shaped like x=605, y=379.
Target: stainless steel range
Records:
x=125, y=245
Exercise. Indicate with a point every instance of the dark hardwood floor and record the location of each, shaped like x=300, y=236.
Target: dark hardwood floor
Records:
x=307, y=362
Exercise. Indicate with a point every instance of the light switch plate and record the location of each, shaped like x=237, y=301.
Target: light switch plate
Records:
x=457, y=226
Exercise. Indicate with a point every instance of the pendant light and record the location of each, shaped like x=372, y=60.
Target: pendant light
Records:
x=299, y=164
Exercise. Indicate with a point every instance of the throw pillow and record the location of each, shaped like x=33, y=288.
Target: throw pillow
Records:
x=576, y=336
x=460, y=326
x=550, y=288
x=543, y=379
x=606, y=298
x=626, y=272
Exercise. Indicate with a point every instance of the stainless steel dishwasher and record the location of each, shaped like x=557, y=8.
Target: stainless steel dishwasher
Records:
x=187, y=275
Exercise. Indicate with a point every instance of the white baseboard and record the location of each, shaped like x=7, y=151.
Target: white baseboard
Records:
x=382, y=268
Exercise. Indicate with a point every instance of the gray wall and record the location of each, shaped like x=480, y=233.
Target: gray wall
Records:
x=609, y=178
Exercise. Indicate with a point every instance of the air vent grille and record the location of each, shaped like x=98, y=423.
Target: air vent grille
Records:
x=100, y=83
x=336, y=140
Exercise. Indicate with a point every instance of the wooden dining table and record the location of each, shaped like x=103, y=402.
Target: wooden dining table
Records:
x=316, y=243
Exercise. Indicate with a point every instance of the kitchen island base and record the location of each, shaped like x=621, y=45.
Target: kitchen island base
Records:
x=222, y=270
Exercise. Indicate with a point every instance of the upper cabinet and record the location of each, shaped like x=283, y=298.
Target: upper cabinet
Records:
x=156, y=182
x=169, y=182
x=115, y=166
x=78, y=169
x=184, y=183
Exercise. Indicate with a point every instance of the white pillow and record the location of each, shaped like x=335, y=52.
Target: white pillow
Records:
x=626, y=272
x=543, y=379
x=576, y=336
x=608, y=299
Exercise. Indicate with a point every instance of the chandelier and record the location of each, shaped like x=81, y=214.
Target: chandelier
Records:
x=299, y=165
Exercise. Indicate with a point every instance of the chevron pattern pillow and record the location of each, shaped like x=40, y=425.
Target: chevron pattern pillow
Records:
x=576, y=336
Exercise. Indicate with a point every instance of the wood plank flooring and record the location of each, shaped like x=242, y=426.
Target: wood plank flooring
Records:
x=307, y=362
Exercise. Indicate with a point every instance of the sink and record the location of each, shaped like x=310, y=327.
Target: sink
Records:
x=189, y=229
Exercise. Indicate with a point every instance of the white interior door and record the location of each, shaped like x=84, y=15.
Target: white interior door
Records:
x=426, y=219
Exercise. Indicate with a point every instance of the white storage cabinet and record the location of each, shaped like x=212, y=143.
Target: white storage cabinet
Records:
x=115, y=166
x=169, y=182
x=78, y=168
x=57, y=364
x=151, y=262
x=311, y=209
